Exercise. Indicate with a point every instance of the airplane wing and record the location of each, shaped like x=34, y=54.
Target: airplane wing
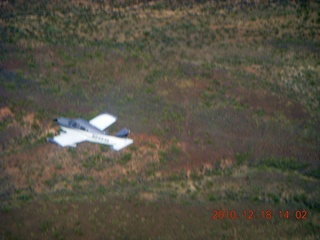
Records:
x=103, y=121
x=69, y=138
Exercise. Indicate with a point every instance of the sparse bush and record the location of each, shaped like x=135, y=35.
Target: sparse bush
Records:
x=193, y=195
x=57, y=234
x=133, y=148
x=79, y=177
x=73, y=152
x=274, y=197
x=159, y=6
x=50, y=182
x=314, y=173
x=97, y=162
x=45, y=226
x=25, y=197
x=58, y=166
x=212, y=197
x=196, y=177
x=5, y=209
x=174, y=177
x=78, y=229
x=284, y=164
x=101, y=189
x=104, y=148
x=300, y=197
x=163, y=156
x=173, y=195
x=153, y=76
x=125, y=158
x=242, y=158
x=209, y=184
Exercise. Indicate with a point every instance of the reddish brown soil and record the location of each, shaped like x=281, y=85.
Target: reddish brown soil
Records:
x=270, y=103
x=12, y=64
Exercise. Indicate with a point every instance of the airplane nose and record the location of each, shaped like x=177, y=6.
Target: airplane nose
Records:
x=62, y=121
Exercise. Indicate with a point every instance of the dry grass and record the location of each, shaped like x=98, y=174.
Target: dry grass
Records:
x=223, y=107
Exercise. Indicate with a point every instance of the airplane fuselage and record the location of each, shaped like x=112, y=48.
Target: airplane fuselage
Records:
x=95, y=137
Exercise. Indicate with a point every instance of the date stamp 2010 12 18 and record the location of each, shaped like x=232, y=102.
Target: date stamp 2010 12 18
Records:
x=264, y=214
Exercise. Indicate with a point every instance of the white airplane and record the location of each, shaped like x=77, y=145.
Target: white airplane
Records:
x=79, y=130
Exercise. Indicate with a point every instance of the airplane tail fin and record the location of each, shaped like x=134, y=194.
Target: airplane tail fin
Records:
x=123, y=133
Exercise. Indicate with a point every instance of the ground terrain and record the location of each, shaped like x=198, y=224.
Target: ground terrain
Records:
x=222, y=100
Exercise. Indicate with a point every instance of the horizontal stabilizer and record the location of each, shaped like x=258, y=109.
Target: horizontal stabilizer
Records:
x=123, y=133
x=122, y=144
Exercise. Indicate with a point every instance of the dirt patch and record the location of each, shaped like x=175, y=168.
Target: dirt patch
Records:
x=5, y=112
x=148, y=196
x=226, y=163
x=29, y=118
x=12, y=64
x=254, y=69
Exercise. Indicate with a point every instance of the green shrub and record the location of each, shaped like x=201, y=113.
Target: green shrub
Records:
x=314, y=173
x=125, y=158
x=45, y=226
x=284, y=164
x=153, y=76
x=242, y=158
x=212, y=197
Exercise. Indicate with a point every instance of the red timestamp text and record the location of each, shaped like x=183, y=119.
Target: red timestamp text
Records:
x=221, y=214
x=262, y=214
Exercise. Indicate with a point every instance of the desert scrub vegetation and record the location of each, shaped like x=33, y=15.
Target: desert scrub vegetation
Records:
x=284, y=163
x=124, y=159
x=228, y=86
